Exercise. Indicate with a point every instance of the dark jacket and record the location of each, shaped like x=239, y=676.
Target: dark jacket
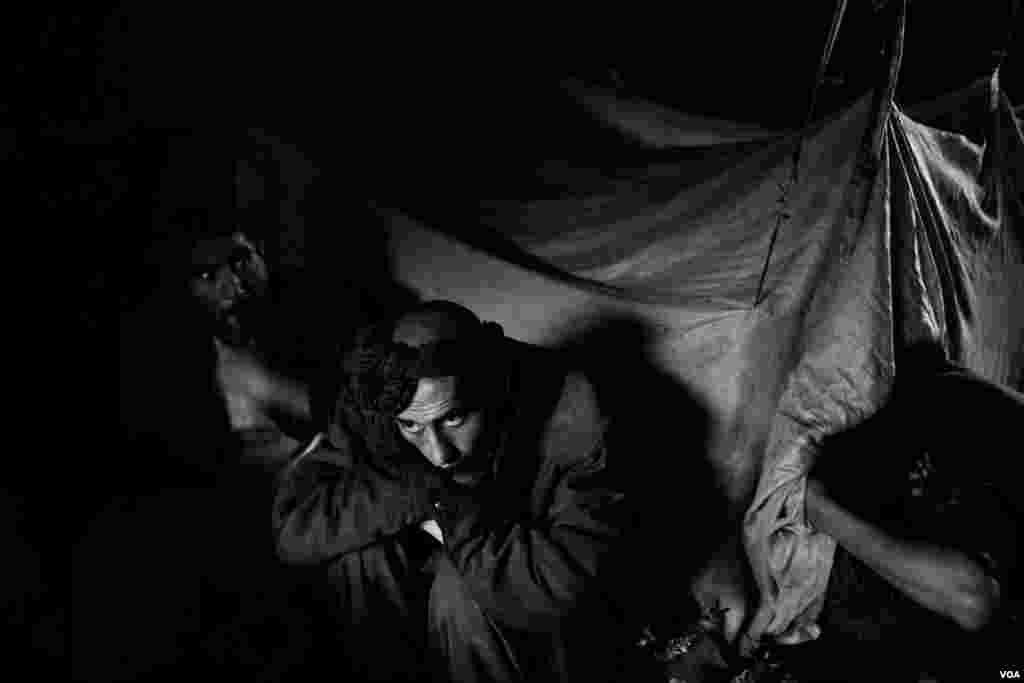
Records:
x=528, y=543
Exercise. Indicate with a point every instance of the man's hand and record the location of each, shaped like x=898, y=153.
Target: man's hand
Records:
x=434, y=529
x=796, y=635
x=722, y=587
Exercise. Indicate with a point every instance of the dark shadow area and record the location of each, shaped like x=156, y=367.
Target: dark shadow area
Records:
x=173, y=569
x=32, y=600
x=658, y=441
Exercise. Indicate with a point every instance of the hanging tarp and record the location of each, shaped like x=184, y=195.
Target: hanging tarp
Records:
x=962, y=203
x=877, y=245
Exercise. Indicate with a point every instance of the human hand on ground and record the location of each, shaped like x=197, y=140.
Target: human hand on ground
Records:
x=721, y=588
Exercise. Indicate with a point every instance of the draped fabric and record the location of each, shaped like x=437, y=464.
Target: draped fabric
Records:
x=917, y=238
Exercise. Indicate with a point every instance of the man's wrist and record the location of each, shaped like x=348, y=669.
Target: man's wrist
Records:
x=814, y=502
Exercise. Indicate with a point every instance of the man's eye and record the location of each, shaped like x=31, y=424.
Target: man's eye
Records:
x=455, y=420
x=409, y=426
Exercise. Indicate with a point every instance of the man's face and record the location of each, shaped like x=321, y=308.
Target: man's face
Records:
x=226, y=273
x=449, y=432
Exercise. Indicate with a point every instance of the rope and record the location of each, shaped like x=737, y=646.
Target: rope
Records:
x=837, y=20
x=1002, y=54
x=896, y=60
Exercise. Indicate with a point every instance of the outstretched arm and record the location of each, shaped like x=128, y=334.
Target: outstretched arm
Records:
x=942, y=580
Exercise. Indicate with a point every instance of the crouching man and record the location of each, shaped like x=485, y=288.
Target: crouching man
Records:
x=461, y=506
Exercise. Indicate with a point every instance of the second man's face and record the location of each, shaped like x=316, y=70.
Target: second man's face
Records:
x=227, y=272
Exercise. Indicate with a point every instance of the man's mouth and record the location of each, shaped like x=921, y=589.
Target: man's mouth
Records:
x=466, y=478
x=463, y=472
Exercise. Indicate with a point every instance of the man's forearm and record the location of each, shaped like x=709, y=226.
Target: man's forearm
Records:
x=941, y=580
x=328, y=506
x=528, y=573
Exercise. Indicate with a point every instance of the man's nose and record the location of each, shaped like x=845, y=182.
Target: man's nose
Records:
x=440, y=452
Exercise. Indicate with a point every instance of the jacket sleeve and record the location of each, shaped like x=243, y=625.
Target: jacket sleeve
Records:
x=528, y=573
x=330, y=501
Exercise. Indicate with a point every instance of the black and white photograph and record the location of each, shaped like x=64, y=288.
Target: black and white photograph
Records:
x=512, y=344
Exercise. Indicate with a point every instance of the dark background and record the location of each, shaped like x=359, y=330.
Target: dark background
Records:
x=447, y=104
